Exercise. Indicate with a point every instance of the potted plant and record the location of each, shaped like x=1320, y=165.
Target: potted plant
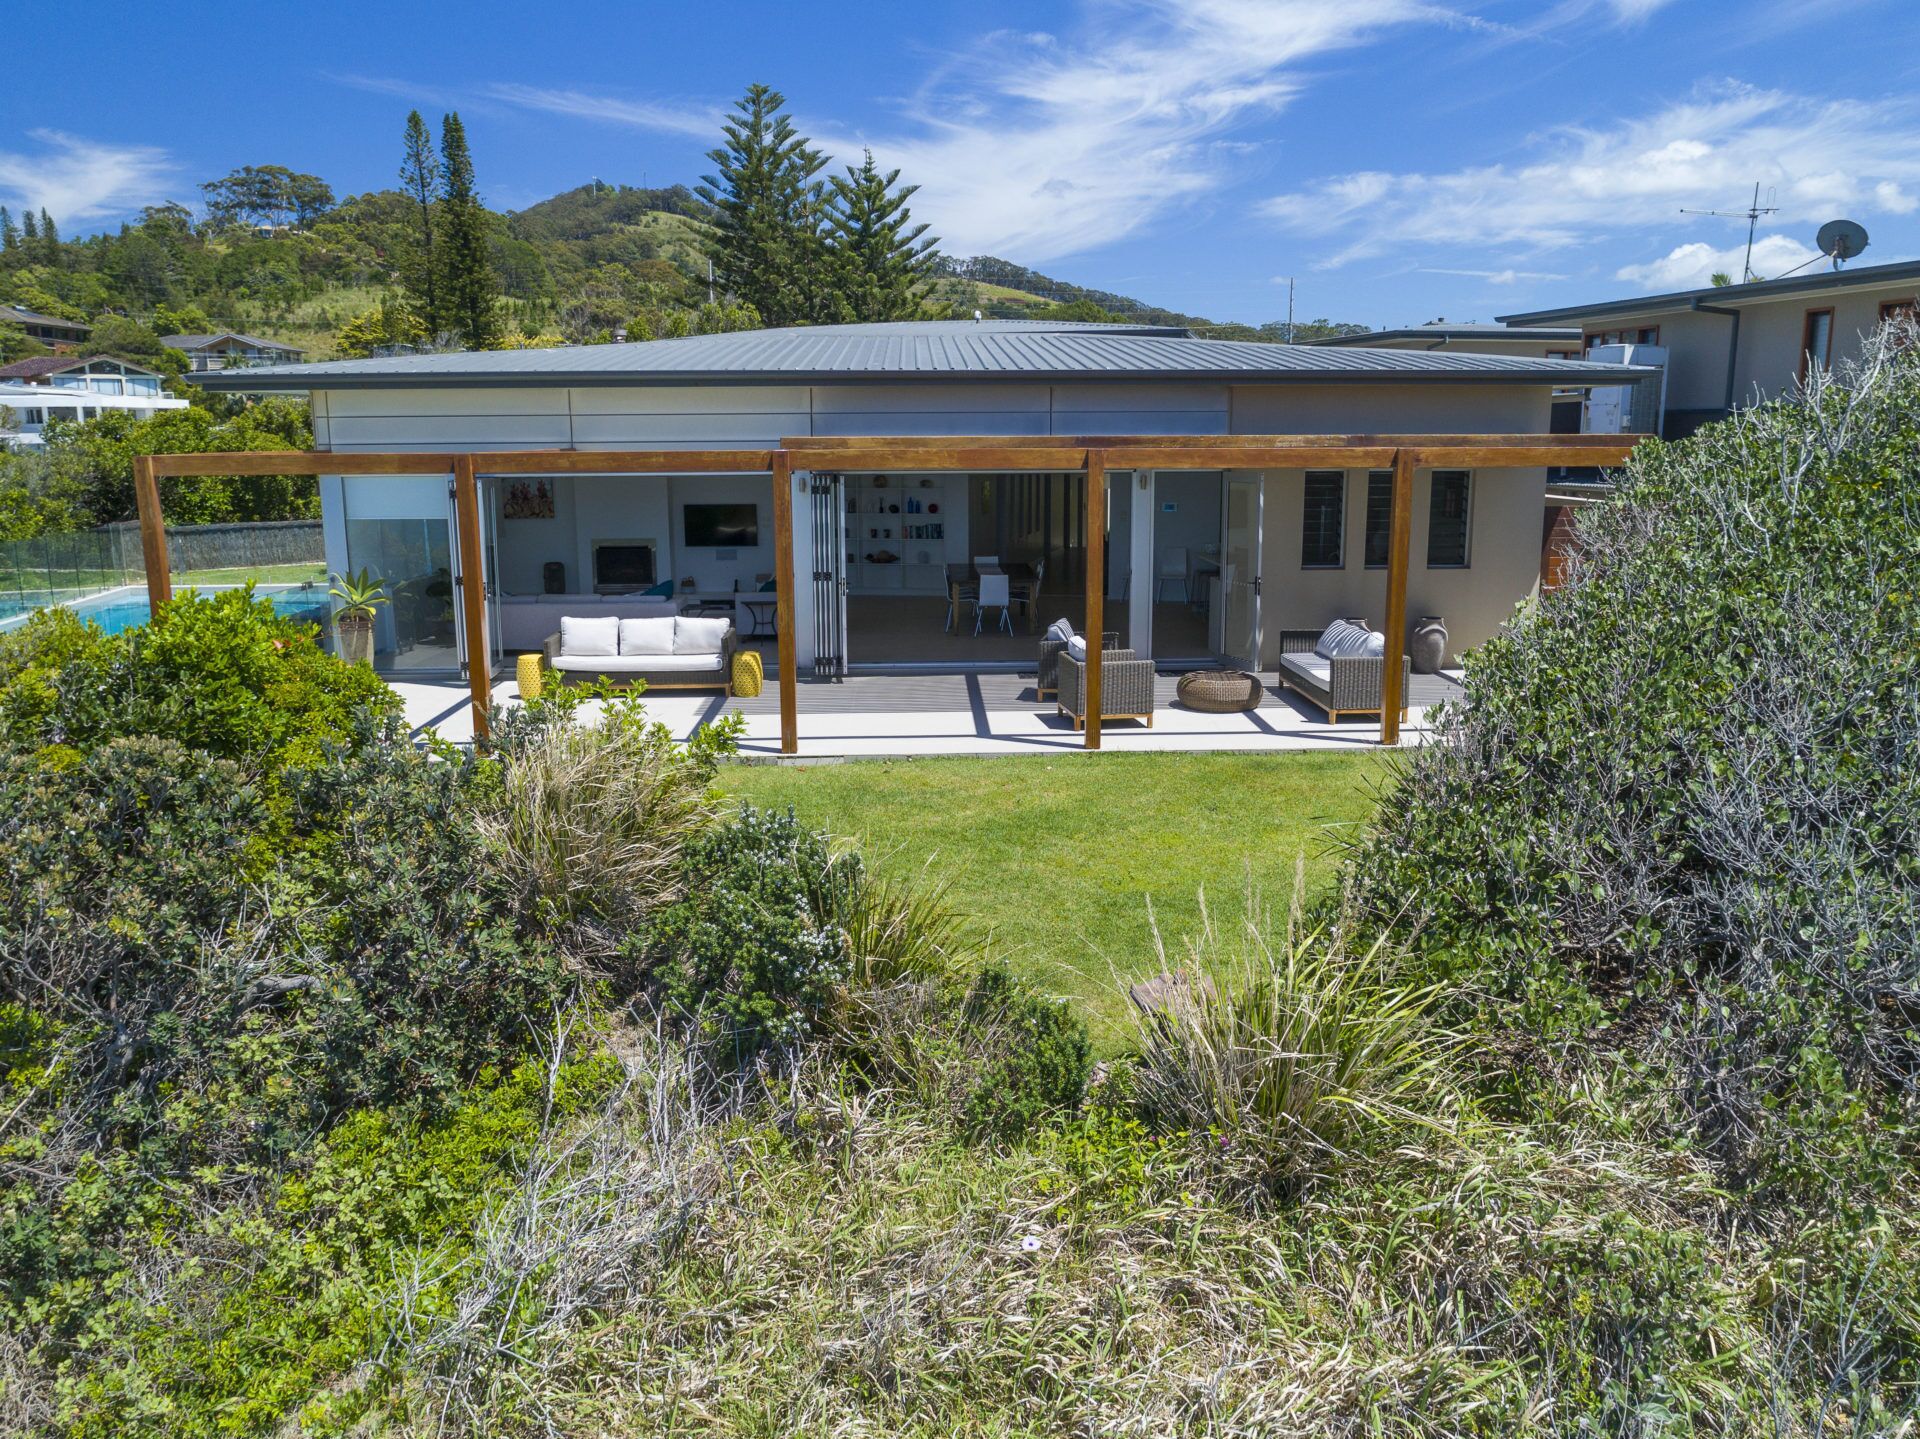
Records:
x=358, y=595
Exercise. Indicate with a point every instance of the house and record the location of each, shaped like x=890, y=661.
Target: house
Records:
x=1539, y=342
x=1732, y=345
x=47, y=329
x=1200, y=560
x=26, y=408
x=95, y=374
x=229, y=349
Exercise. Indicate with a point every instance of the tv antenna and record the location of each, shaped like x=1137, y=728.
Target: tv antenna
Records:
x=1752, y=216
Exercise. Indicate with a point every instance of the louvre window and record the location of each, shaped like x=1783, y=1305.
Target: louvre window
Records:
x=1447, y=520
x=1323, y=524
x=1379, y=518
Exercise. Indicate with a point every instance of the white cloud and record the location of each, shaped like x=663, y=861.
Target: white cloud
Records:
x=1818, y=158
x=1688, y=267
x=76, y=180
x=1507, y=276
x=701, y=121
x=1895, y=201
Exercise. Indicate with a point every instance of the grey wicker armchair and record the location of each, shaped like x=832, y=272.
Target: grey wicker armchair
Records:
x=1048, y=682
x=1126, y=687
x=1348, y=685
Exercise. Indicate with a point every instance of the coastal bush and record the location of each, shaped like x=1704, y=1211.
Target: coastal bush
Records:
x=1681, y=795
x=224, y=674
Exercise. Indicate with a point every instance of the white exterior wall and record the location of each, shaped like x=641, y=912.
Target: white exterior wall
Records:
x=1507, y=507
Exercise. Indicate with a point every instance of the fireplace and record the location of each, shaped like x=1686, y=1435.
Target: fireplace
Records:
x=623, y=567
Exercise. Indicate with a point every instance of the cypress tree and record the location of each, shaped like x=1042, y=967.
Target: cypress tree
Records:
x=881, y=267
x=419, y=268
x=767, y=246
x=29, y=228
x=9, y=232
x=467, y=287
x=49, y=237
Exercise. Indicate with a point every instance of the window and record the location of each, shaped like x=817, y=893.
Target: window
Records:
x=1379, y=518
x=1447, y=521
x=33, y=416
x=1322, y=527
x=1899, y=310
x=1633, y=335
x=1816, y=342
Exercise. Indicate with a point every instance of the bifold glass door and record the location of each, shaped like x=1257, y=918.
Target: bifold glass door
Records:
x=399, y=532
x=1240, y=571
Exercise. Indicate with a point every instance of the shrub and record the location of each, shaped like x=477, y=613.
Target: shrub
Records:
x=223, y=674
x=1686, y=781
x=1287, y=1050
x=753, y=948
x=1035, y=1057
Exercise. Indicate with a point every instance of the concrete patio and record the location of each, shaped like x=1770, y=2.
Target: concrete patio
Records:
x=895, y=716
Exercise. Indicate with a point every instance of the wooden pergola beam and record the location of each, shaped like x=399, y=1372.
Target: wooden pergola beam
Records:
x=473, y=592
x=783, y=601
x=1096, y=552
x=1399, y=546
x=153, y=533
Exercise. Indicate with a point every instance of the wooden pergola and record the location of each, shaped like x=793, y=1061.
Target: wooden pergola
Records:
x=1090, y=456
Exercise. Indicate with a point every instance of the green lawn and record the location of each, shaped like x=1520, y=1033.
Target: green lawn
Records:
x=310, y=570
x=1058, y=858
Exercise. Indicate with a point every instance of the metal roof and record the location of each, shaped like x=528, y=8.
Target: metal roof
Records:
x=58, y=364
x=1749, y=294
x=1442, y=332
x=22, y=313
x=908, y=351
x=197, y=342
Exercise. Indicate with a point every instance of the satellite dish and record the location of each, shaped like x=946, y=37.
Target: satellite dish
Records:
x=1842, y=239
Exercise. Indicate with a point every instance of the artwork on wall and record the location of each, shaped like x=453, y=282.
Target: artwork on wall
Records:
x=528, y=500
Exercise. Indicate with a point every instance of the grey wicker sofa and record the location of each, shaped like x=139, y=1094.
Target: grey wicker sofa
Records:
x=1347, y=685
x=699, y=666
x=1126, y=687
x=1048, y=682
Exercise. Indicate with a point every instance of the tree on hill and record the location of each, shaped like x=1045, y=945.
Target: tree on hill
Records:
x=767, y=246
x=125, y=339
x=17, y=344
x=419, y=266
x=881, y=267
x=468, y=288
x=9, y=232
x=266, y=195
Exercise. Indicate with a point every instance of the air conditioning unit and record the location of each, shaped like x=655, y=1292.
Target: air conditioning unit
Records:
x=1639, y=408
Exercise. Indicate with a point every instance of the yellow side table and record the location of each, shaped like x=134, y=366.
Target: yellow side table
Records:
x=748, y=673
x=530, y=670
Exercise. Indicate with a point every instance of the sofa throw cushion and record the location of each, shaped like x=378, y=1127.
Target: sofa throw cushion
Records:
x=1341, y=639
x=590, y=637
x=652, y=636
x=1060, y=630
x=1376, y=645
x=1077, y=647
x=696, y=636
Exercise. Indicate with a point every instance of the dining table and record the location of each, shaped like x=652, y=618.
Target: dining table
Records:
x=1022, y=582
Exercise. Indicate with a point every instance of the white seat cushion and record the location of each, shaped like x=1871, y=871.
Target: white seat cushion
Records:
x=1311, y=666
x=647, y=636
x=695, y=636
x=589, y=637
x=636, y=664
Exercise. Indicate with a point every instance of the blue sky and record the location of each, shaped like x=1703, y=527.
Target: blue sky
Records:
x=1402, y=160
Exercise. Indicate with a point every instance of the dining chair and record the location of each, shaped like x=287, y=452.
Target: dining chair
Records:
x=1173, y=571
x=959, y=594
x=994, y=594
x=1028, y=592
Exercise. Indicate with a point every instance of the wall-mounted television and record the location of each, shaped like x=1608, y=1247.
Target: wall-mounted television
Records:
x=723, y=526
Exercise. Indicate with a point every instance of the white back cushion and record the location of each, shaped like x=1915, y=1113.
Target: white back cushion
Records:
x=1077, y=647
x=1341, y=639
x=693, y=636
x=1376, y=645
x=647, y=636
x=1059, y=630
x=580, y=635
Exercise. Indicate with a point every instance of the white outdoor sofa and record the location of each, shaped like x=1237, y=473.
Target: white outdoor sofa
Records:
x=667, y=652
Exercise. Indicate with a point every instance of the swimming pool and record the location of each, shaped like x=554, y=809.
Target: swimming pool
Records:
x=126, y=609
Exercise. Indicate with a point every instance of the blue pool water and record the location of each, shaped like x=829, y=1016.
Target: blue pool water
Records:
x=114, y=613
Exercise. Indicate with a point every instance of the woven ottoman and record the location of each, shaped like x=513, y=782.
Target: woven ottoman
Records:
x=1219, y=692
x=529, y=670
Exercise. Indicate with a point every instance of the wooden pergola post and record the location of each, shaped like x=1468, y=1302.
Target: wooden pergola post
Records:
x=1096, y=521
x=473, y=591
x=783, y=600
x=153, y=533
x=1399, y=542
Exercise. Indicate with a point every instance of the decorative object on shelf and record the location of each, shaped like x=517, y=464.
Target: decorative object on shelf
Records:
x=1219, y=692
x=932, y=508
x=893, y=509
x=925, y=557
x=925, y=483
x=879, y=482
x=687, y=583
x=527, y=500
x=883, y=557
x=1428, y=647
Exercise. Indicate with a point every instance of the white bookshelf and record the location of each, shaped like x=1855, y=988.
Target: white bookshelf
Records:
x=922, y=523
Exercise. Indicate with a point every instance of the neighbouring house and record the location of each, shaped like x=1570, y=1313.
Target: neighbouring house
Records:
x=47, y=329
x=44, y=388
x=1200, y=563
x=230, y=349
x=1538, y=342
x=1732, y=345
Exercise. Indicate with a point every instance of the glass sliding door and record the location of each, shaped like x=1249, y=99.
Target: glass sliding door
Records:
x=1240, y=571
x=398, y=531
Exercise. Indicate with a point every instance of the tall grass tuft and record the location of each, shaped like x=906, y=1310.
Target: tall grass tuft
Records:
x=1288, y=1048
